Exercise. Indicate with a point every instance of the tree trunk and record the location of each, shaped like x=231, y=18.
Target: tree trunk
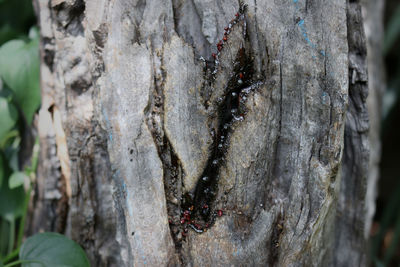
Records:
x=262, y=140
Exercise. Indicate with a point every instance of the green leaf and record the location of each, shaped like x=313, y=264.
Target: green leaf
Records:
x=11, y=150
x=1, y=170
x=4, y=233
x=8, y=139
x=34, y=33
x=52, y=249
x=18, y=14
x=7, y=33
x=11, y=201
x=8, y=117
x=393, y=31
x=19, y=69
x=17, y=179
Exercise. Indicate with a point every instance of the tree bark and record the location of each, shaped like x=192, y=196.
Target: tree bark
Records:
x=350, y=238
x=139, y=105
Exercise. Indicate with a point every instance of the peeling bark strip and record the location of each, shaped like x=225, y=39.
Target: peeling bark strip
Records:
x=351, y=241
x=144, y=119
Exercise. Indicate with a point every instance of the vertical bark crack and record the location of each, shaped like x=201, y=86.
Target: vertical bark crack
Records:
x=275, y=240
x=172, y=169
x=198, y=210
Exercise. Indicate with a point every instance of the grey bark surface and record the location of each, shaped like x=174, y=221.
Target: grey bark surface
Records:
x=125, y=94
x=351, y=212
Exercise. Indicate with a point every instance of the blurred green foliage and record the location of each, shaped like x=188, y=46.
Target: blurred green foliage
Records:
x=392, y=31
x=52, y=249
x=385, y=249
x=390, y=45
x=16, y=18
x=19, y=101
x=19, y=70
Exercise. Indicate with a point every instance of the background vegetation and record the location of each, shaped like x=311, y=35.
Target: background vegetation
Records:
x=20, y=99
x=385, y=249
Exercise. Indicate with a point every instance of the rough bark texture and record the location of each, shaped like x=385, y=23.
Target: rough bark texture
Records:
x=350, y=236
x=142, y=119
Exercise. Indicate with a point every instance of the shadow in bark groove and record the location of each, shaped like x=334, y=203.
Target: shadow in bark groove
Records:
x=197, y=207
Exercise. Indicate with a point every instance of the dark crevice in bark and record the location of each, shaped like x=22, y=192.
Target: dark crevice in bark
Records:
x=70, y=15
x=231, y=110
x=172, y=169
x=84, y=161
x=277, y=229
x=140, y=7
x=194, y=210
x=172, y=177
x=80, y=86
x=176, y=6
x=306, y=6
x=62, y=208
x=48, y=52
x=100, y=37
x=198, y=210
x=86, y=180
x=331, y=108
x=258, y=40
